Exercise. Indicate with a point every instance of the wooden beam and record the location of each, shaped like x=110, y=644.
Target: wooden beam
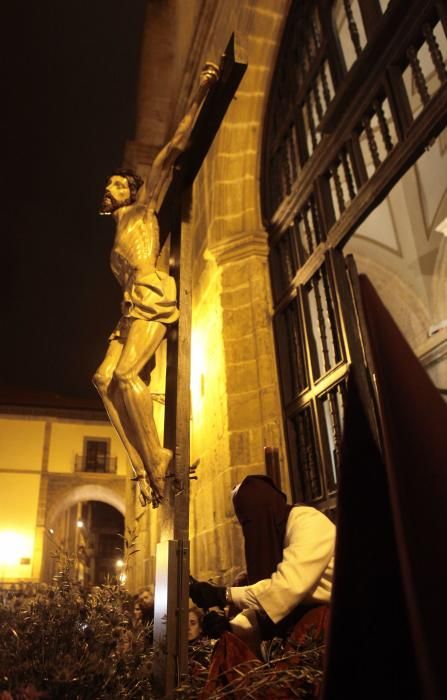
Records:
x=214, y=108
x=232, y=69
x=171, y=601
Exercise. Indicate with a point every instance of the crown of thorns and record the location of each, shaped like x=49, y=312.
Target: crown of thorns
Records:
x=134, y=180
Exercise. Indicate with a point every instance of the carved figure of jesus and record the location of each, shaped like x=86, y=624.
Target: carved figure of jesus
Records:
x=149, y=304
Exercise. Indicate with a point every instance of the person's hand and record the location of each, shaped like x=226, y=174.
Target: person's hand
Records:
x=206, y=595
x=209, y=74
x=214, y=625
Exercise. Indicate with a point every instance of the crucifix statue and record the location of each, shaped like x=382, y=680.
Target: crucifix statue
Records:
x=146, y=211
x=149, y=303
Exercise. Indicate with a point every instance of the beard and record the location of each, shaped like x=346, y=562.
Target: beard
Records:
x=109, y=204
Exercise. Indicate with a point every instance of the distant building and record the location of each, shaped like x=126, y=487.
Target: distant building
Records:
x=62, y=484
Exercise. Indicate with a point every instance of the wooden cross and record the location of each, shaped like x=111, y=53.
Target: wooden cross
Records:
x=172, y=559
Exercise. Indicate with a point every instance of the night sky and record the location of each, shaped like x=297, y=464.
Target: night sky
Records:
x=70, y=83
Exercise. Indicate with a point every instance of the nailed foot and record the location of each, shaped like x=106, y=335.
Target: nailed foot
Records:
x=157, y=475
x=145, y=489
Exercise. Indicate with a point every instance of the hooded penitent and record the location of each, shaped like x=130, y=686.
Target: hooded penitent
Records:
x=262, y=511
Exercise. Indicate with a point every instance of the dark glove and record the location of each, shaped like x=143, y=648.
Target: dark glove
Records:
x=214, y=624
x=206, y=595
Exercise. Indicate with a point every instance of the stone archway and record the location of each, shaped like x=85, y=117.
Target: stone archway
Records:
x=61, y=492
x=87, y=492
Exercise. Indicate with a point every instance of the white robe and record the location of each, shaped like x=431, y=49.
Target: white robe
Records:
x=303, y=576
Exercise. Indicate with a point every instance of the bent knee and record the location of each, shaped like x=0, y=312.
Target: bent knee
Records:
x=124, y=376
x=101, y=381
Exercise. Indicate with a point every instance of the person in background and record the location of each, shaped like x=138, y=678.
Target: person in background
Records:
x=137, y=615
x=200, y=647
x=195, y=618
x=141, y=621
x=146, y=602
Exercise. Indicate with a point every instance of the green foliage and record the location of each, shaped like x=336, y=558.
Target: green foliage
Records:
x=66, y=644
x=74, y=646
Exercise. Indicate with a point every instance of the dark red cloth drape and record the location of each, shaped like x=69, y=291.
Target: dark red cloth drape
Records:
x=231, y=652
x=389, y=617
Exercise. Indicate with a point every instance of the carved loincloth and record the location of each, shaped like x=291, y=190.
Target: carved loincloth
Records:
x=151, y=297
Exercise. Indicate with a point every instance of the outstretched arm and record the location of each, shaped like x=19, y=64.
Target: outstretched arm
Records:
x=162, y=164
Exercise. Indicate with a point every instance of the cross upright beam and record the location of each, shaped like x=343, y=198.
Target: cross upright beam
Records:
x=212, y=112
x=172, y=562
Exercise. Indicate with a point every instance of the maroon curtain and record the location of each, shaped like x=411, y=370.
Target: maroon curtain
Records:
x=388, y=623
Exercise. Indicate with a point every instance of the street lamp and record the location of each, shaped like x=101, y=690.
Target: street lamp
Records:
x=120, y=571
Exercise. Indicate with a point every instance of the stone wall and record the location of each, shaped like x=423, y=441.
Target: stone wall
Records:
x=234, y=389
x=241, y=404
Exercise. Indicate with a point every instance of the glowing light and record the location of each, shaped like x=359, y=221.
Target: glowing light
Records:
x=14, y=546
x=122, y=578
x=51, y=531
x=197, y=371
x=79, y=523
x=119, y=563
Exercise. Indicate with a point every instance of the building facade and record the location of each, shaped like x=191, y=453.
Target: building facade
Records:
x=333, y=145
x=55, y=463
